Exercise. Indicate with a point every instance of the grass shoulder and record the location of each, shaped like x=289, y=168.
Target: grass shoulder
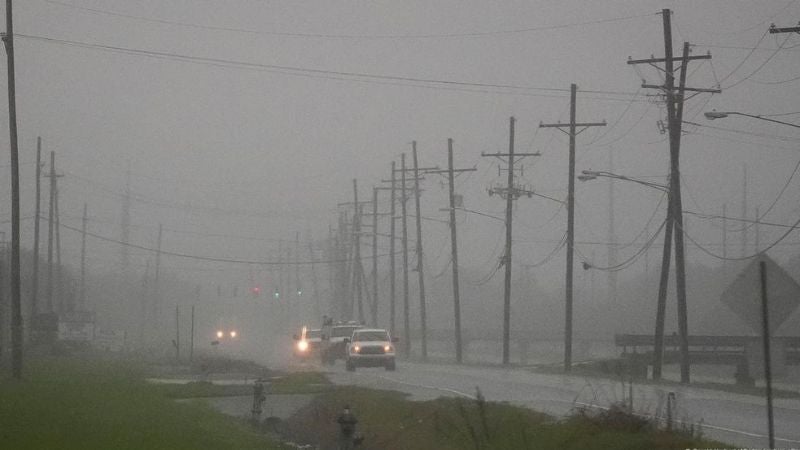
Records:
x=387, y=419
x=87, y=403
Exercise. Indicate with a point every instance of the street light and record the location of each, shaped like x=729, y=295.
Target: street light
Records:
x=658, y=339
x=712, y=115
x=587, y=175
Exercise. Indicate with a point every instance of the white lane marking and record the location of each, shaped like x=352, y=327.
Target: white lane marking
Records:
x=435, y=388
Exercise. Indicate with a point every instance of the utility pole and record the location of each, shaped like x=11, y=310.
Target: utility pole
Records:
x=451, y=174
x=177, y=334
x=59, y=269
x=675, y=101
x=50, y=231
x=757, y=243
x=573, y=133
x=374, y=309
x=724, y=235
x=422, y=307
x=406, y=318
x=16, y=305
x=191, y=334
x=126, y=221
x=509, y=193
x=83, y=259
x=297, y=285
x=357, y=242
x=317, y=306
x=392, y=275
x=612, y=236
x=744, y=210
x=35, y=278
x=156, y=287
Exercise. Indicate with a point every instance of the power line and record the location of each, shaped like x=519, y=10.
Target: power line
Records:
x=212, y=258
x=350, y=36
x=335, y=74
x=742, y=258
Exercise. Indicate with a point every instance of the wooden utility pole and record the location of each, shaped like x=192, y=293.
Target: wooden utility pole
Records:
x=51, y=231
x=507, y=254
x=191, y=334
x=675, y=101
x=59, y=270
x=767, y=356
x=406, y=314
x=374, y=309
x=36, y=221
x=357, y=257
x=612, y=236
x=156, y=287
x=451, y=173
x=573, y=133
x=392, y=271
x=510, y=193
x=420, y=272
x=297, y=285
x=724, y=235
x=16, y=305
x=83, y=259
x=177, y=333
x=317, y=306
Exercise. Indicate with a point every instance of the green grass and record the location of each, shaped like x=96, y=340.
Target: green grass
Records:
x=92, y=404
x=387, y=420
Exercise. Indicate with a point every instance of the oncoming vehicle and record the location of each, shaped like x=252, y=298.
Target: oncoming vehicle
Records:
x=370, y=347
x=307, y=343
x=333, y=346
x=225, y=335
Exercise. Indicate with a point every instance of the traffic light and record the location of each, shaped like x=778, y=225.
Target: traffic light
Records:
x=256, y=291
x=276, y=294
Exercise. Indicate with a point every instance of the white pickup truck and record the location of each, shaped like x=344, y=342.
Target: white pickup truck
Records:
x=370, y=347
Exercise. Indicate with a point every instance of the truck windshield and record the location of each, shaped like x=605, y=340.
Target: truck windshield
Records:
x=371, y=336
x=343, y=331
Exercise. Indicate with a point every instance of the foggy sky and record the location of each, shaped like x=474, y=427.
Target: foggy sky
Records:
x=224, y=149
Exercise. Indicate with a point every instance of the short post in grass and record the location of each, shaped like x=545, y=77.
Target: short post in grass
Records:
x=347, y=429
x=258, y=401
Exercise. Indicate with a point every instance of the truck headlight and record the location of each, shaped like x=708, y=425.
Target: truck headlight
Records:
x=302, y=345
x=220, y=334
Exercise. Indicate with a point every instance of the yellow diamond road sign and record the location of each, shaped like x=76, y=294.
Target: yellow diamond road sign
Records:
x=743, y=296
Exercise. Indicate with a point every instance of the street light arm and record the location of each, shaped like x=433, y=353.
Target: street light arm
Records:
x=591, y=174
x=711, y=115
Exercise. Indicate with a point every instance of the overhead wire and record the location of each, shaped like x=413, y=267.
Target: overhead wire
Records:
x=350, y=36
x=212, y=258
x=430, y=83
x=628, y=262
x=742, y=258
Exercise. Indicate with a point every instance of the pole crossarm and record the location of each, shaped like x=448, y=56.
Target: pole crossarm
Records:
x=444, y=172
x=661, y=60
x=688, y=89
x=422, y=169
x=773, y=29
x=583, y=126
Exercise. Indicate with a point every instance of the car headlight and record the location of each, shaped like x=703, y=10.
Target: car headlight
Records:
x=233, y=334
x=302, y=346
x=387, y=348
x=220, y=334
x=356, y=349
